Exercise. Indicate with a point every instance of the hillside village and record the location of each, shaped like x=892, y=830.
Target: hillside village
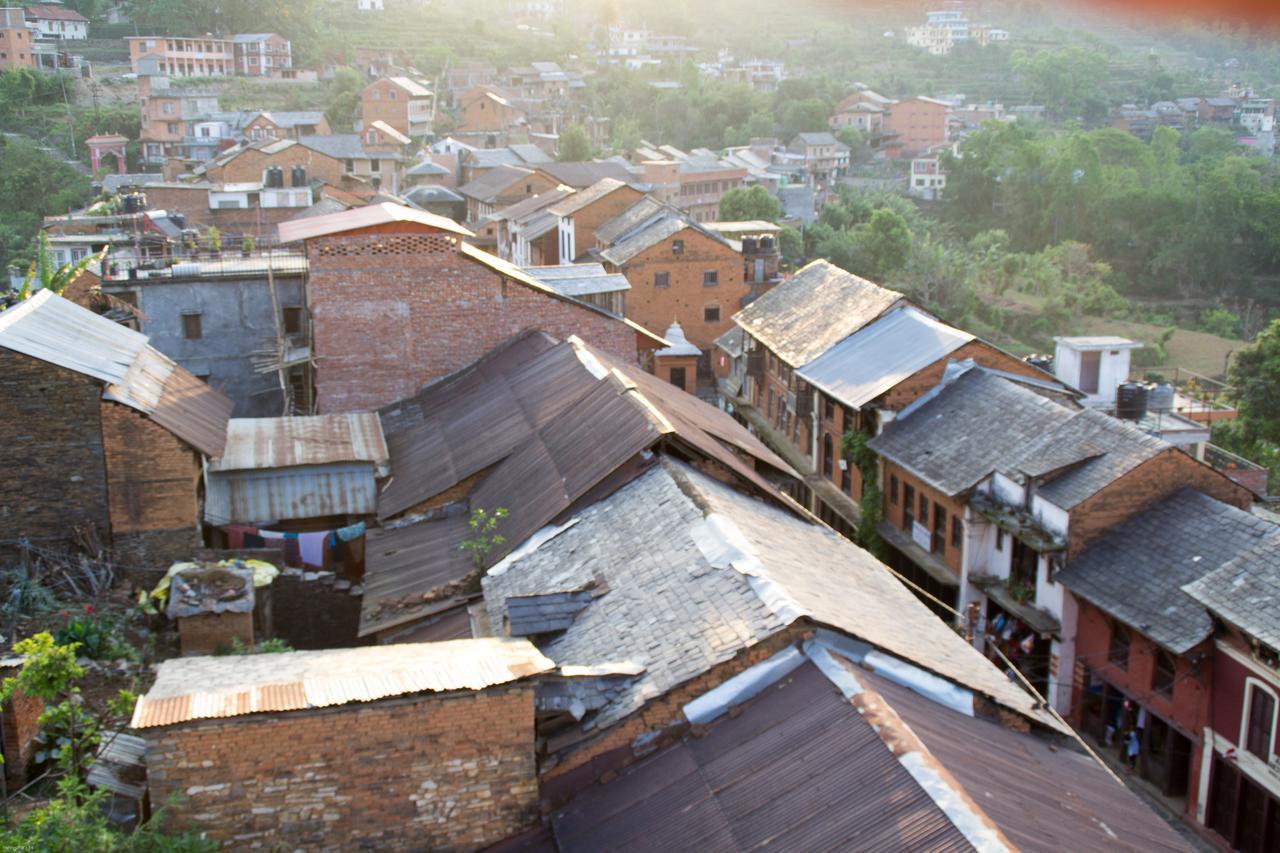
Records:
x=408, y=456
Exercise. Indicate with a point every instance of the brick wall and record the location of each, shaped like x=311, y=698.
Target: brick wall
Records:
x=586, y=762
x=50, y=451
x=248, y=166
x=600, y=211
x=685, y=298
x=313, y=614
x=1149, y=483
x=153, y=482
x=392, y=312
x=664, y=365
x=893, y=512
x=392, y=110
x=429, y=772
x=1187, y=709
x=910, y=389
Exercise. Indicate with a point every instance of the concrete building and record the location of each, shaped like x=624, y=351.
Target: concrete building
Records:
x=214, y=318
x=58, y=22
x=182, y=57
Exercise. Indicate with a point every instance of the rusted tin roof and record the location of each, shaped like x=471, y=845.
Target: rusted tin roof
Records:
x=309, y=491
x=216, y=687
x=256, y=443
x=1040, y=791
x=799, y=769
x=57, y=331
x=552, y=429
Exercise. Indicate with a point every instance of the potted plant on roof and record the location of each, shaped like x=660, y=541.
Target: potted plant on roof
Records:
x=246, y=245
x=215, y=241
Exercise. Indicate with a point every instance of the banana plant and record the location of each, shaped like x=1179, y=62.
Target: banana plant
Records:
x=43, y=275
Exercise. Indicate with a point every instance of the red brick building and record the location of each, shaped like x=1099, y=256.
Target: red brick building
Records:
x=398, y=299
x=678, y=269
x=402, y=103
x=1155, y=671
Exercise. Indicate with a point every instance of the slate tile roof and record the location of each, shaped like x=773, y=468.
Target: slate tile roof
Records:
x=979, y=423
x=1245, y=591
x=1108, y=447
x=490, y=184
x=697, y=571
x=588, y=195
x=814, y=310
x=1136, y=571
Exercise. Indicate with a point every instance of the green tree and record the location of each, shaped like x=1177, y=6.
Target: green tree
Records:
x=742, y=204
x=882, y=244
x=1255, y=371
x=1067, y=80
x=804, y=116
x=32, y=185
x=575, y=145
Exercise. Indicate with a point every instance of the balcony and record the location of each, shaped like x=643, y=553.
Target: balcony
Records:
x=1017, y=522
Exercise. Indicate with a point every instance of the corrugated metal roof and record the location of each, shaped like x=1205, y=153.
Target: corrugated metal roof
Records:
x=214, y=687
x=799, y=769
x=813, y=311
x=311, y=491
x=1041, y=792
x=880, y=355
x=60, y=332
x=311, y=440
x=364, y=217
x=552, y=428
x=57, y=331
x=579, y=279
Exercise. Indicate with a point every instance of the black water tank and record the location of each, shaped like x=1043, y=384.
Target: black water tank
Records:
x=274, y=177
x=298, y=177
x=1131, y=401
x=766, y=244
x=748, y=245
x=1041, y=361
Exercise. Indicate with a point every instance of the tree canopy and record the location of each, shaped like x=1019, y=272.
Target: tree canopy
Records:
x=743, y=204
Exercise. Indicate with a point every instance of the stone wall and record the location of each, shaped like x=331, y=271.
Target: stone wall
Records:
x=393, y=311
x=453, y=771
x=51, y=452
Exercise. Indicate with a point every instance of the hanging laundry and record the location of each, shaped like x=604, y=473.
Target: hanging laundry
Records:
x=350, y=532
x=1028, y=643
x=311, y=547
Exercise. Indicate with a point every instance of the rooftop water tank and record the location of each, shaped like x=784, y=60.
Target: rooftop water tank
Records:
x=1161, y=398
x=1131, y=401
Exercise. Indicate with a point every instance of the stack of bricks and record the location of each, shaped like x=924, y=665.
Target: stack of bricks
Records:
x=394, y=308
x=435, y=771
